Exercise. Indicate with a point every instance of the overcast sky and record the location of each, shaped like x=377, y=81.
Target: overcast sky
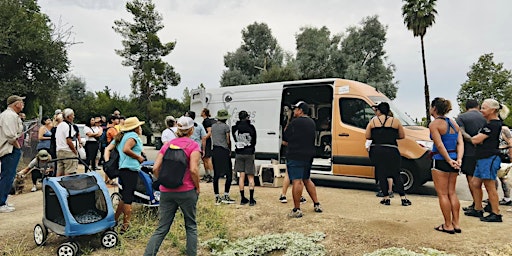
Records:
x=206, y=30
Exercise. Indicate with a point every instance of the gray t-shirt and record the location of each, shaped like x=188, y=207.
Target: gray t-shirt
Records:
x=219, y=130
x=471, y=121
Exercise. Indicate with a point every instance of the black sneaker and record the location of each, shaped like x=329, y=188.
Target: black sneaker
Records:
x=252, y=202
x=505, y=202
x=385, y=202
x=488, y=208
x=282, y=199
x=244, y=201
x=227, y=200
x=379, y=194
x=302, y=200
x=474, y=213
x=492, y=217
x=470, y=207
x=406, y=202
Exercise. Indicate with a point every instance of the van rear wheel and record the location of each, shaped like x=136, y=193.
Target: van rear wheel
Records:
x=409, y=179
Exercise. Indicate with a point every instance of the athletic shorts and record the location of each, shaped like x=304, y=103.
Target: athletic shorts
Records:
x=128, y=180
x=468, y=165
x=443, y=166
x=487, y=168
x=245, y=163
x=298, y=170
x=208, y=149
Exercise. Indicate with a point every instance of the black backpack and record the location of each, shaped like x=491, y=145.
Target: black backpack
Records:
x=111, y=167
x=174, y=165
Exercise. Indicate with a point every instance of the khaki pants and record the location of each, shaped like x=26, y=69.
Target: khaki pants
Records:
x=68, y=166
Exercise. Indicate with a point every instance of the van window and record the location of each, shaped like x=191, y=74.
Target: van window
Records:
x=355, y=112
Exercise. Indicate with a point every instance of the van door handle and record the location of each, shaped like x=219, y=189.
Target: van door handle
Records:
x=343, y=134
x=271, y=133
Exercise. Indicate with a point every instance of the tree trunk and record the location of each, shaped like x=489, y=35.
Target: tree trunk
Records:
x=426, y=90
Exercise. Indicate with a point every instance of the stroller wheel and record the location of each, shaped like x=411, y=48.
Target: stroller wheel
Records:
x=66, y=249
x=109, y=239
x=76, y=246
x=116, y=198
x=40, y=234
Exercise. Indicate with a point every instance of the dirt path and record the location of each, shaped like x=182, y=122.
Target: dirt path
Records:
x=353, y=221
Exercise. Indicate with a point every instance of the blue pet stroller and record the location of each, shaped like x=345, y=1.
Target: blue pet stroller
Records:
x=76, y=205
x=146, y=191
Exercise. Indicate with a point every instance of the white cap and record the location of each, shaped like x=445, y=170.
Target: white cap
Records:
x=185, y=123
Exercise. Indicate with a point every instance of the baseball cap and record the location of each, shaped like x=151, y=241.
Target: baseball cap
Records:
x=14, y=98
x=302, y=105
x=185, y=123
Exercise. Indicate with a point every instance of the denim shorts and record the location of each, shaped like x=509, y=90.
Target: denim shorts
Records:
x=487, y=168
x=298, y=170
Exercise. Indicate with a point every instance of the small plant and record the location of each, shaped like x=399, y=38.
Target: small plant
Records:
x=294, y=244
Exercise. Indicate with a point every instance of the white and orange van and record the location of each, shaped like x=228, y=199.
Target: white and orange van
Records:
x=341, y=109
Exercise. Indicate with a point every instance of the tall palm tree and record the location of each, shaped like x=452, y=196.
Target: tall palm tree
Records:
x=418, y=16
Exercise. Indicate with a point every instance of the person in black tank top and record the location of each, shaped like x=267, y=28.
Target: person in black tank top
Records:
x=488, y=161
x=384, y=130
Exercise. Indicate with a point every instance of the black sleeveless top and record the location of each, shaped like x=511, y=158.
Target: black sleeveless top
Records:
x=384, y=134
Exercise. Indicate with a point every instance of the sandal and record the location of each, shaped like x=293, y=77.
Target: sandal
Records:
x=440, y=228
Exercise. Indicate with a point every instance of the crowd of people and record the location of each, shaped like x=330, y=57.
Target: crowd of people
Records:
x=475, y=144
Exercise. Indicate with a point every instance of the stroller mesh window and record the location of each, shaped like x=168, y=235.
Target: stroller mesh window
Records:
x=88, y=207
x=79, y=182
x=52, y=207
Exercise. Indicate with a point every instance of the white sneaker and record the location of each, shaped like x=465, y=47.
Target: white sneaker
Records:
x=5, y=208
x=34, y=188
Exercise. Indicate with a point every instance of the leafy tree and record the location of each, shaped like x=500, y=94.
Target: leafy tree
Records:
x=258, y=53
x=364, y=57
x=143, y=51
x=418, y=16
x=487, y=79
x=314, y=52
x=33, y=57
x=74, y=95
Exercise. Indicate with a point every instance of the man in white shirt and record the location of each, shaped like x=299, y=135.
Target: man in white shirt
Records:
x=170, y=132
x=11, y=128
x=66, y=141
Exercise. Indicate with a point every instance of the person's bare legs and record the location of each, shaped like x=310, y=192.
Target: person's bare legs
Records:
x=286, y=183
x=297, y=187
x=490, y=186
x=476, y=184
x=471, y=190
x=441, y=180
x=454, y=199
x=241, y=181
x=311, y=189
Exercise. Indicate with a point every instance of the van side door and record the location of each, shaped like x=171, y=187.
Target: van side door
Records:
x=350, y=118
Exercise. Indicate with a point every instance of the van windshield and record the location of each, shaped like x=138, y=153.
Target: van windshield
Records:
x=397, y=113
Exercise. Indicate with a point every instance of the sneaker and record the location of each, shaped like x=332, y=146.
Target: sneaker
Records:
x=4, y=208
x=34, y=188
x=468, y=208
x=488, y=208
x=252, y=202
x=227, y=200
x=379, y=194
x=244, y=201
x=302, y=200
x=385, y=201
x=318, y=208
x=210, y=179
x=505, y=202
x=218, y=200
x=406, y=202
x=486, y=201
x=474, y=213
x=492, y=217
x=391, y=195
x=282, y=199
x=295, y=214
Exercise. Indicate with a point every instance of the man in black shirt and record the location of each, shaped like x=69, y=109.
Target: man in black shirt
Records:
x=207, y=157
x=299, y=136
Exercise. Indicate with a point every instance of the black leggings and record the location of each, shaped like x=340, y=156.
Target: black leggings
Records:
x=91, y=150
x=387, y=161
x=221, y=160
x=36, y=174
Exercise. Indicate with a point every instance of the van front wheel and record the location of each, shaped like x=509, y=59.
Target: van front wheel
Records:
x=409, y=180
